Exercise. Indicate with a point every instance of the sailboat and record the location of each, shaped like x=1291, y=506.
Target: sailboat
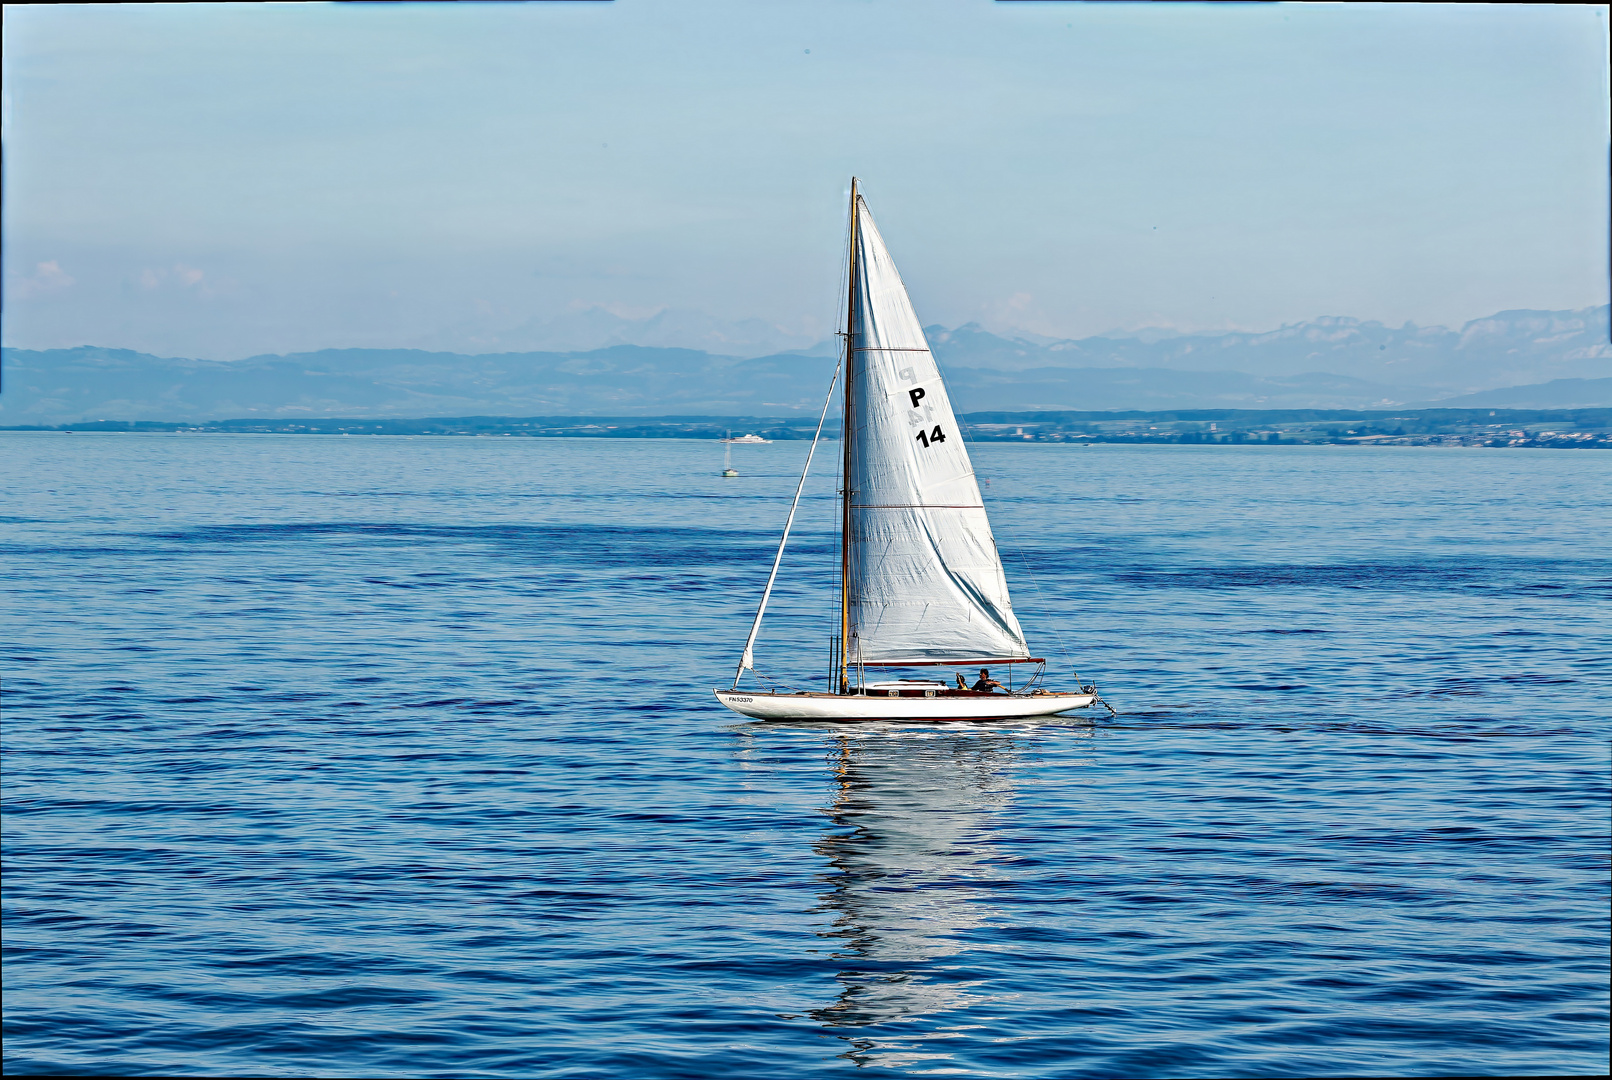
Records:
x=921, y=582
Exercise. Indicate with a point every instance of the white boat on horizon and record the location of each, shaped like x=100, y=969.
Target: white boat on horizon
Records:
x=921, y=582
x=751, y=439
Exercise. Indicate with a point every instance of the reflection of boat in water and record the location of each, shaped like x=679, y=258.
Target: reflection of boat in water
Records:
x=921, y=582
x=912, y=866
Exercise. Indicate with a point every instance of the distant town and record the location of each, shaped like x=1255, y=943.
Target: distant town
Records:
x=1507, y=428
x=1563, y=429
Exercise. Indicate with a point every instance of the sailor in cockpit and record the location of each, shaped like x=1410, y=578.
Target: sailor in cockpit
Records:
x=986, y=684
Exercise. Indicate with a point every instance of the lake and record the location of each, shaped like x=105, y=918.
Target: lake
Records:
x=397, y=757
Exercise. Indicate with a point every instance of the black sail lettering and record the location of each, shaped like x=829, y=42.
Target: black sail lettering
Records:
x=916, y=394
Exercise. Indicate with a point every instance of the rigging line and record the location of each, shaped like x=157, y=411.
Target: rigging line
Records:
x=747, y=658
x=775, y=683
x=1024, y=560
x=1035, y=582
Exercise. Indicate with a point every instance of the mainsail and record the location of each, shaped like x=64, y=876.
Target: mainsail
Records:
x=923, y=580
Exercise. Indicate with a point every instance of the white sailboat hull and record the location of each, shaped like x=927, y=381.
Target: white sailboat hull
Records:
x=873, y=707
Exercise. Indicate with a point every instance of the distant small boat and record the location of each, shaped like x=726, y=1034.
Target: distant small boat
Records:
x=727, y=457
x=747, y=439
x=921, y=584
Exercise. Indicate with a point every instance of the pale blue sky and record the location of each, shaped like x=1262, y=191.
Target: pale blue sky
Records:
x=226, y=180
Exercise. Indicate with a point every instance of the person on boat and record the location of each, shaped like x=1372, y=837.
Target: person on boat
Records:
x=986, y=684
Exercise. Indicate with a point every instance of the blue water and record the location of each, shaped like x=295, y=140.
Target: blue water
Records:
x=397, y=757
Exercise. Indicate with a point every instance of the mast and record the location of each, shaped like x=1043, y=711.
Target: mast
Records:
x=846, y=436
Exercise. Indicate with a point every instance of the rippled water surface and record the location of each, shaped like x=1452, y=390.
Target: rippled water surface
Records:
x=396, y=757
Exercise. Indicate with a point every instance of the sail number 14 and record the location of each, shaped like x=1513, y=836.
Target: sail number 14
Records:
x=928, y=438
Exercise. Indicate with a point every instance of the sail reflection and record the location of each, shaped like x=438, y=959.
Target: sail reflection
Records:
x=913, y=866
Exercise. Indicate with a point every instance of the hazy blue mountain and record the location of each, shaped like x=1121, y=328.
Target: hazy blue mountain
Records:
x=1506, y=349
x=595, y=328
x=978, y=389
x=67, y=385
x=90, y=383
x=1556, y=394
x=1524, y=357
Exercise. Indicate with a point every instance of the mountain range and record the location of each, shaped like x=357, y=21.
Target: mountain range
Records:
x=585, y=329
x=1514, y=359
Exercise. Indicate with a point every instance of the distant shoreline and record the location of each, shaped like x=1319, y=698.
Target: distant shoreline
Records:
x=1587, y=428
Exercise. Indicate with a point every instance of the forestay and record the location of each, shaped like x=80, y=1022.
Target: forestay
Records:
x=925, y=582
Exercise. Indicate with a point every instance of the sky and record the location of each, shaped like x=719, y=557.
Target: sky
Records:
x=221, y=181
